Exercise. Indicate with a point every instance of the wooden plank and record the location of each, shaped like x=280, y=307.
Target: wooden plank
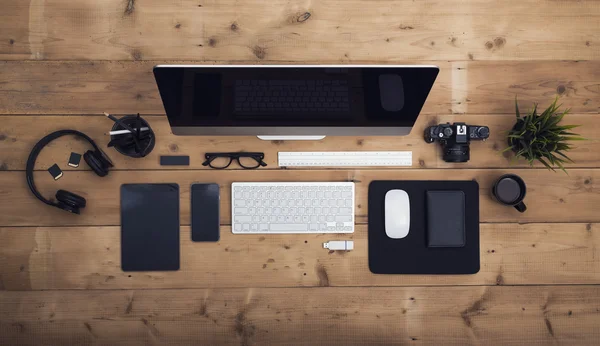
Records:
x=551, y=197
x=391, y=30
x=20, y=134
x=89, y=258
x=566, y=315
x=474, y=87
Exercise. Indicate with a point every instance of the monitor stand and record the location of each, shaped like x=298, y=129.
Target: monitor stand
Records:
x=290, y=138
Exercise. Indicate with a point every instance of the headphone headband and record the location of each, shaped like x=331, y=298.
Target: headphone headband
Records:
x=36, y=151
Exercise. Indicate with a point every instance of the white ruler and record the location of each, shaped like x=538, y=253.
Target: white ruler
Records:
x=345, y=158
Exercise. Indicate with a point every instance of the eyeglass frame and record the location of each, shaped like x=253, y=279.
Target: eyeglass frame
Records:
x=258, y=157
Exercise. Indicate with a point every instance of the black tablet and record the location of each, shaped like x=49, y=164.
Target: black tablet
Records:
x=149, y=227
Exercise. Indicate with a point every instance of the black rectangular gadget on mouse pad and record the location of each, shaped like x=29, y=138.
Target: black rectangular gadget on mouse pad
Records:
x=435, y=207
x=445, y=218
x=149, y=227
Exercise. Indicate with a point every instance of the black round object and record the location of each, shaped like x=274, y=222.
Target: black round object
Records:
x=69, y=201
x=448, y=132
x=147, y=142
x=96, y=164
x=456, y=153
x=508, y=190
x=483, y=132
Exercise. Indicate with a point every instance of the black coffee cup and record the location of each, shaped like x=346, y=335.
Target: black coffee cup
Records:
x=510, y=190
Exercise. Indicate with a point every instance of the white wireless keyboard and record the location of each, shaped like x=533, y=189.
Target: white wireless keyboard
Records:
x=292, y=207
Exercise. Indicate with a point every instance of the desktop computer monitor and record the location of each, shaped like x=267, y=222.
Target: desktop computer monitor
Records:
x=293, y=102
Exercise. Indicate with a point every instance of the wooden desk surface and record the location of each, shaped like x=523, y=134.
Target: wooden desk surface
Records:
x=64, y=62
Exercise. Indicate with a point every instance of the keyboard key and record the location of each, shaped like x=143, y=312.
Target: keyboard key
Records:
x=290, y=227
x=243, y=218
x=343, y=218
x=240, y=211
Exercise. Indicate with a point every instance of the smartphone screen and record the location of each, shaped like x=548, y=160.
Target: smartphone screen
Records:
x=205, y=212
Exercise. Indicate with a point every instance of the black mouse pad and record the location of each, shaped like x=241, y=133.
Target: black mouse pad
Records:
x=411, y=255
x=149, y=227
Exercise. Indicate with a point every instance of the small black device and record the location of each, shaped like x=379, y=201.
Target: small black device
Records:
x=65, y=200
x=149, y=227
x=175, y=160
x=136, y=142
x=205, y=212
x=55, y=171
x=455, y=139
x=510, y=190
x=74, y=160
x=245, y=160
x=445, y=218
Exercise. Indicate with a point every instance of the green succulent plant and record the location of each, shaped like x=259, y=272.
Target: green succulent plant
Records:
x=541, y=137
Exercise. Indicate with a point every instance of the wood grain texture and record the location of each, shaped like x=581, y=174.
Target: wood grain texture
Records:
x=333, y=30
x=552, y=315
x=539, y=279
x=89, y=258
x=15, y=143
x=475, y=87
x=551, y=197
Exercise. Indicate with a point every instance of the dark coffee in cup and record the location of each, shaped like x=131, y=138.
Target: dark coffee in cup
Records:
x=510, y=190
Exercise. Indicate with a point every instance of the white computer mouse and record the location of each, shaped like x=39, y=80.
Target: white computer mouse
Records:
x=397, y=214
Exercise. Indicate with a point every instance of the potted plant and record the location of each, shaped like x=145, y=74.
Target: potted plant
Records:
x=541, y=137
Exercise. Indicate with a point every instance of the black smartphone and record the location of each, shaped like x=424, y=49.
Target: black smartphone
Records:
x=205, y=212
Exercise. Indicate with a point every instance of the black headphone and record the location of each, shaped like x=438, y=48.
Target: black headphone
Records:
x=65, y=200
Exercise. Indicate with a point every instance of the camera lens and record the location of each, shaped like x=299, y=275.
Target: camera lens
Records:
x=456, y=153
x=483, y=132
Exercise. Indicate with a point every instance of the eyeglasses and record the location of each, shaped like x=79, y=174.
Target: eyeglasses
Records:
x=223, y=160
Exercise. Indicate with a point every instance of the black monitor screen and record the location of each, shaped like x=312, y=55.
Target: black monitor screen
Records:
x=308, y=96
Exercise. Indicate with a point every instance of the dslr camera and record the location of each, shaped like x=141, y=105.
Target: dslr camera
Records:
x=455, y=139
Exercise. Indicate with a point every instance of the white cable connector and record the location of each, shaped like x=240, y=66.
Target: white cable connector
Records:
x=343, y=245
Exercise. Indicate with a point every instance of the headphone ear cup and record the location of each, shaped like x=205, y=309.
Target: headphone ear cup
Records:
x=95, y=162
x=69, y=201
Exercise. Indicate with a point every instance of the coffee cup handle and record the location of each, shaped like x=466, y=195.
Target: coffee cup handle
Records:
x=521, y=207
